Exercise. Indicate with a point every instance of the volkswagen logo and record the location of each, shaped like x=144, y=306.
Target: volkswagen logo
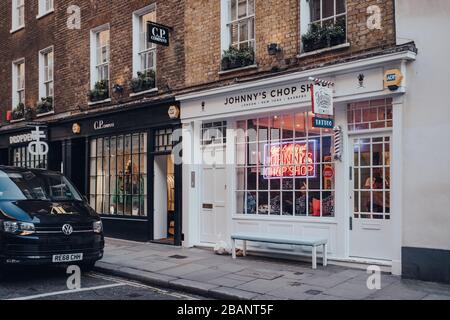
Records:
x=67, y=229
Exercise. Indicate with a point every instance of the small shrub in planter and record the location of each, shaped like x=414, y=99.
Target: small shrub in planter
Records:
x=45, y=105
x=144, y=81
x=100, y=91
x=320, y=37
x=18, y=112
x=28, y=113
x=237, y=58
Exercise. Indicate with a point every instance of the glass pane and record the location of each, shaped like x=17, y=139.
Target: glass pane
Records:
x=240, y=179
x=242, y=8
x=288, y=126
x=365, y=155
x=300, y=203
x=275, y=203
x=314, y=204
x=365, y=201
x=251, y=178
x=377, y=154
x=314, y=6
x=378, y=202
x=340, y=6
x=287, y=205
x=327, y=9
x=300, y=128
x=233, y=9
x=328, y=204
x=240, y=201
x=263, y=203
x=263, y=129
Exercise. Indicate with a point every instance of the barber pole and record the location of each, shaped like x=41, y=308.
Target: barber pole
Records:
x=337, y=143
x=322, y=82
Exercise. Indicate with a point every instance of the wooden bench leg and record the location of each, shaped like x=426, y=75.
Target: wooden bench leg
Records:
x=233, y=248
x=244, y=251
x=314, y=257
x=325, y=253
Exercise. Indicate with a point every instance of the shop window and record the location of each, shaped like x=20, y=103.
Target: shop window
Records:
x=22, y=158
x=163, y=140
x=323, y=23
x=284, y=167
x=118, y=174
x=374, y=114
x=214, y=133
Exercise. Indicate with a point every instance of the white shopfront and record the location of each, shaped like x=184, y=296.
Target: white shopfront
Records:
x=253, y=163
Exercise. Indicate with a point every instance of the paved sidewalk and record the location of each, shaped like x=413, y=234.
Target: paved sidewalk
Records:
x=202, y=272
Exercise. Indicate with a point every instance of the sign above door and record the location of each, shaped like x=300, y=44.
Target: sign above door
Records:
x=158, y=33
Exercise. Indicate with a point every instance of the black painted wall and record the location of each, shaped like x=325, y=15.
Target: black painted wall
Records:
x=426, y=264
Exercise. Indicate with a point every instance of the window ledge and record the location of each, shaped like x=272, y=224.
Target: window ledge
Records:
x=253, y=66
x=41, y=15
x=17, y=29
x=45, y=114
x=143, y=92
x=17, y=120
x=311, y=53
x=99, y=102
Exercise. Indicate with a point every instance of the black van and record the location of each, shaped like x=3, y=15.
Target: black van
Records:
x=45, y=220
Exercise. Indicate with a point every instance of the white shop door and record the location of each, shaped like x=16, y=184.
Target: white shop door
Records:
x=213, y=220
x=371, y=227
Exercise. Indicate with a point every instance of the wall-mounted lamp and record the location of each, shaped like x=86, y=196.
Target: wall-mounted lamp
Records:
x=273, y=49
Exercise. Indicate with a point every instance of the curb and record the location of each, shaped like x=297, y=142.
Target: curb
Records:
x=169, y=283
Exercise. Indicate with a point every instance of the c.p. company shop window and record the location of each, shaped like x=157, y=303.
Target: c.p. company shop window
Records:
x=284, y=167
x=118, y=174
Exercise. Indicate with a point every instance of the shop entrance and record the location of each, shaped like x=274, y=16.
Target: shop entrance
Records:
x=164, y=199
x=371, y=227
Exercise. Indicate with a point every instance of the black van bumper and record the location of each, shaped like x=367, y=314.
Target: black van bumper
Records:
x=39, y=250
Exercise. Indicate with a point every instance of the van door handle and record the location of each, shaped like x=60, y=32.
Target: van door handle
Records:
x=351, y=223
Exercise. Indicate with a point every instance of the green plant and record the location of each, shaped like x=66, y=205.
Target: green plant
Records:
x=319, y=37
x=45, y=105
x=100, y=91
x=18, y=112
x=238, y=58
x=144, y=81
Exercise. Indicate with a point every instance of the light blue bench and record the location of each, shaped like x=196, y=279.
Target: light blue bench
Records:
x=300, y=241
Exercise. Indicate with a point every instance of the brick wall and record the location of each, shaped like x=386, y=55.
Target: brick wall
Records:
x=72, y=50
x=277, y=21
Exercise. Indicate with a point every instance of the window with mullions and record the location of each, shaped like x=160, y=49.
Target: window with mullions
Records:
x=118, y=174
x=214, y=133
x=242, y=23
x=284, y=167
x=373, y=114
x=22, y=158
x=163, y=140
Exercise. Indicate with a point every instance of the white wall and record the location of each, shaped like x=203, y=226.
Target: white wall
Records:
x=426, y=124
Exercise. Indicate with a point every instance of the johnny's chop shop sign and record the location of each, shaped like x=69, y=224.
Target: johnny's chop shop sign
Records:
x=297, y=93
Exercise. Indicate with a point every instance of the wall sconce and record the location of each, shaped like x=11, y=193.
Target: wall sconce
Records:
x=273, y=49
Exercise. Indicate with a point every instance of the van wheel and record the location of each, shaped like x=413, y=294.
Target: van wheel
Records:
x=87, y=266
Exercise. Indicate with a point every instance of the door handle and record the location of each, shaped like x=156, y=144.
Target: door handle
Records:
x=351, y=223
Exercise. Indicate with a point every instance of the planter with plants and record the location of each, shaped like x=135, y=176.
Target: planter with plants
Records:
x=45, y=105
x=143, y=82
x=18, y=112
x=320, y=37
x=100, y=91
x=237, y=58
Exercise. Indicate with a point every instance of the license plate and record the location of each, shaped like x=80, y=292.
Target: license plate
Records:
x=59, y=258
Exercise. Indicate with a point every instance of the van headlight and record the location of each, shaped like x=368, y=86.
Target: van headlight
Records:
x=98, y=226
x=17, y=227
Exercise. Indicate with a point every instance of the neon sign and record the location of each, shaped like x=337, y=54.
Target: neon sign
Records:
x=290, y=159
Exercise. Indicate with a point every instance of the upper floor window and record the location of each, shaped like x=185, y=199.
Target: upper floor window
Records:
x=323, y=23
x=45, y=6
x=144, y=52
x=100, y=55
x=18, y=88
x=18, y=14
x=239, y=41
x=45, y=104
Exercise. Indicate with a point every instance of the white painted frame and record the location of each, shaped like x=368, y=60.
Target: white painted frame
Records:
x=136, y=16
x=93, y=53
x=16, y=24
x=42, y=53
x=42, y=8
x=15, y=97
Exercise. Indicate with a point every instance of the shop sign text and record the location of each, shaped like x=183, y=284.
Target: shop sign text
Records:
x=325, y=123
x=37, y=147
x=322, y=100
x=290, y=159
x=287, y=94
x=100, y=124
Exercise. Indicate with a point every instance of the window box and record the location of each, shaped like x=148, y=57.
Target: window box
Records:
x=44, y=106
x=145, y=81
x=321, y=37
x=18, y=112
x=237, y=58
x=100, y=91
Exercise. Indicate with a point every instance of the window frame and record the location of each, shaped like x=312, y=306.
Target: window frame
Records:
x=137, y=34
x=94, y=65
x=251, y=41
x=42, y=72
x=43, y=10
x=17, y=92
x=17, y=15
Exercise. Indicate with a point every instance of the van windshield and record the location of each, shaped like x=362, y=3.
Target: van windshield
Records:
x=32, y=185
